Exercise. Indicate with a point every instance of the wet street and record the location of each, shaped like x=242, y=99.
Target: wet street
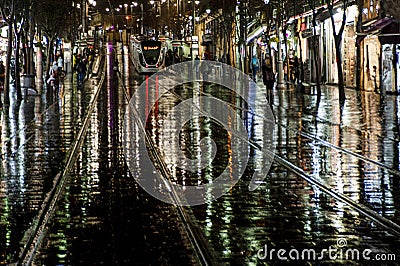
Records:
x=68, y=195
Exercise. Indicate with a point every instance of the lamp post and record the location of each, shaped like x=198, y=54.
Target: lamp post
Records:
x=85, y=13
x=193, y=26
x=157, y=6
x=86, y=7
x=281, y=78
x=141, y=18
x=194, y=3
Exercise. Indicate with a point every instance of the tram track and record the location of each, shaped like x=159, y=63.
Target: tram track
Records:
x=188, y=219
x=304, y=133
x=204, y=254
x=360, y=208
x=35, y=234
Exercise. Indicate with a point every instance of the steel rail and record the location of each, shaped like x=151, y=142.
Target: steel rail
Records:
x=38, y=229
x=204, y=254
x=374, y=216
x=309, y=135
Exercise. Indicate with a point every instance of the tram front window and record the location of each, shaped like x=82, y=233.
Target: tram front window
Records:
x=151, y=52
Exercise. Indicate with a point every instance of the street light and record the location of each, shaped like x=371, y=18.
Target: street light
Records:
x=92, y=2
x=194, y=19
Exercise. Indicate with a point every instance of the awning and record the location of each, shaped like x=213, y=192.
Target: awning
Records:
x=251, y=24
x=377, y=25
x=323, y=15
x=255, y=33
x=390, y=34
x=387, y=29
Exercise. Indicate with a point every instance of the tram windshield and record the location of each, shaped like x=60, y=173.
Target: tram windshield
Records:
x=151, y=51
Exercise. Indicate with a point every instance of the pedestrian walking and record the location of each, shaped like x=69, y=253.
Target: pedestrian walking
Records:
x=53, y=73
x=197, y=66
x=265, y=62
x=296, y=70
x=176, y=58
x=269, y=81
x=255, y=66
x=60, y=63
x=80, y=68
x=168, y=58
x=204, y=69
x=2, y=74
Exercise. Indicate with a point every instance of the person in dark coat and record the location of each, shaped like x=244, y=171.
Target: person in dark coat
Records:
x=168, y=58
x=268, y=77
x=197, y=66
x=2, y=74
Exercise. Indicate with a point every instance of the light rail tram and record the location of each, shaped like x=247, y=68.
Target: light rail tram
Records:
x=147, y=55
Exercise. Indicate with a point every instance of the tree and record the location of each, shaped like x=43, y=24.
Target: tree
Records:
x=268, y=21
x=227, y=28
x=7, y=10
x=18, y=24
x=338, y=41
x=313, y=6
x=53, y=18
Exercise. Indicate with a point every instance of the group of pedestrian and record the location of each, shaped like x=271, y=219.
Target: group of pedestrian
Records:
x=268, y=74
x=202, y=67
x=80, y=67
x=171, y=58
x=55, y=71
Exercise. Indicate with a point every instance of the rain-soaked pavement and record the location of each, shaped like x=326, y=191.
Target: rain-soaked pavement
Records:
x=57, y=160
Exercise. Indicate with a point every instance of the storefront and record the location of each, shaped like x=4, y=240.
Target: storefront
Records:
x=379, y=49
x=3, y=42
x=370, y=51
x=329, y=68
x=310, y=40
x=389, y=38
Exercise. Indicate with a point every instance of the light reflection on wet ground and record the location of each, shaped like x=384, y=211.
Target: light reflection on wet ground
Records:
x=286, y=212
x=104, y=217
x=103, y=208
